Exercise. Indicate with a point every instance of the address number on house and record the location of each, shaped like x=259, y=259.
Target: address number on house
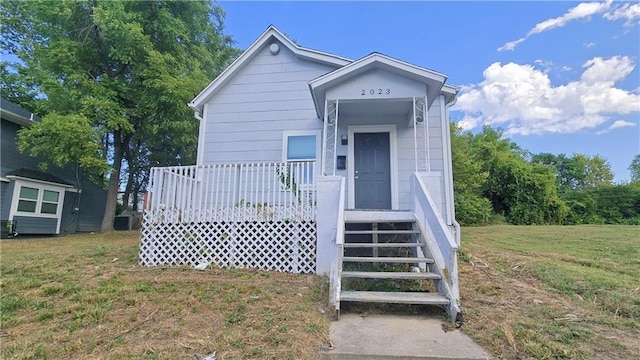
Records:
x=378, y=91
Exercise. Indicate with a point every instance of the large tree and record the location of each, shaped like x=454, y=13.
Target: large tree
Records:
x=634, y=168
x=523, y=192
x=120, y=72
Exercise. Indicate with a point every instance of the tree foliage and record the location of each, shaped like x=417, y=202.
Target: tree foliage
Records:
x=522, y=192
x=634, y=168
x=578, y=172
x=494, y=180
x=119, y=72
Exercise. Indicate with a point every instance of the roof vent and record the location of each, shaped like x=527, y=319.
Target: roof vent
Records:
x=274, y=48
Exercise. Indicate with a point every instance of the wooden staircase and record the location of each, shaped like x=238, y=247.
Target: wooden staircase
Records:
x=384, y=260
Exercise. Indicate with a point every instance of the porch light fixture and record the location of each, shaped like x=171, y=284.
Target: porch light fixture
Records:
x=343, y=139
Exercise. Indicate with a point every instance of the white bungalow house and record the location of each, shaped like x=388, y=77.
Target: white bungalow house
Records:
x=311, y=162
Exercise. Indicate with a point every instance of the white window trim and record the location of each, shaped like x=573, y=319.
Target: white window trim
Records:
x=41, y=186
x=393, y=157
x=317, y=167
x=287, y=133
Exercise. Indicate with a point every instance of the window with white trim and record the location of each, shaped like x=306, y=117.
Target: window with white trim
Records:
x=38, y=201
x=299, y=148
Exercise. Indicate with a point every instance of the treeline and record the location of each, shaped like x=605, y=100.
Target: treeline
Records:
x=496, y=181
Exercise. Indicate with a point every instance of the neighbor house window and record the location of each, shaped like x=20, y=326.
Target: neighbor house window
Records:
x=38, y=201
x=28, y=199
x=49, y=202
x=299, y=148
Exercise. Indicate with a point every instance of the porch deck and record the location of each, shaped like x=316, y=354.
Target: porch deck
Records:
x=260, y=215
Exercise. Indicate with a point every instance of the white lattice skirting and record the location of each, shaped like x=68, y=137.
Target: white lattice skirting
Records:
x=287, y=245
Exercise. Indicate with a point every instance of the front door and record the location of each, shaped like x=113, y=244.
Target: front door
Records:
x=372, y=170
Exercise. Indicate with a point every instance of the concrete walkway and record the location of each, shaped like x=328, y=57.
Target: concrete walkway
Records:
x=356, y=337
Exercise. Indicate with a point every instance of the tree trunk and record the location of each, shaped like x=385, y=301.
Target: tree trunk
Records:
x=119, y=144
x=127, y=190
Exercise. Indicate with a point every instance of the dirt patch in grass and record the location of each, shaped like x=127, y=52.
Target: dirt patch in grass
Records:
x=85, y=297
x=524, y=300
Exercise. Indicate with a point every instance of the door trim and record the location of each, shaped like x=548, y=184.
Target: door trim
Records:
x=393, y=160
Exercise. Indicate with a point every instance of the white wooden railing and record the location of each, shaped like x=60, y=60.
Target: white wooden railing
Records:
x=232, y=192
x=232, y=215
x=441, y=242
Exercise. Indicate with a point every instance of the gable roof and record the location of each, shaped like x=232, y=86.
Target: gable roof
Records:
x=31, y=174
x=434, y=80
x=271, y=33
x=450, y=92
x=16, y=114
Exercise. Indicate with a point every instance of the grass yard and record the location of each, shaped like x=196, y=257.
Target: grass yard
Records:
x=539, y=292
x=553, y=292
x=85, y=297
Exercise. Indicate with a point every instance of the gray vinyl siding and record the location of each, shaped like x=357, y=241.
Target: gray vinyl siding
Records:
x=92, y=197
x=6, y=192
x=34, y=225
x=245, y=120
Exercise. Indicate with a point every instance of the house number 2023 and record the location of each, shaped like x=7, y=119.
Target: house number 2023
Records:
x=378, y=91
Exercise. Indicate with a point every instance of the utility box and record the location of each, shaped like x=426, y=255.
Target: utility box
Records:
x=122, y=222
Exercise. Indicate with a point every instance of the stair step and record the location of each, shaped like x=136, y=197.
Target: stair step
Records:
x=381, y=245
x=380, y=232
x=364, y=216
x=394, y=297
x=408, y=260
x=391, y=275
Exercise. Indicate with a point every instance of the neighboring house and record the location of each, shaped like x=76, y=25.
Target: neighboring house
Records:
x=305, y=155
x=58, y=201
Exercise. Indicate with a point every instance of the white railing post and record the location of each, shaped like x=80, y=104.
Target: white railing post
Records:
x=330, y=137
x=420, y=124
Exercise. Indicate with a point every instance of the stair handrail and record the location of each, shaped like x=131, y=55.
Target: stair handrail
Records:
x=336, y=267
x=442, y=243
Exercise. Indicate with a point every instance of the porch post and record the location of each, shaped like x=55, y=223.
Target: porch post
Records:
x=330, y=137
x=421, y=134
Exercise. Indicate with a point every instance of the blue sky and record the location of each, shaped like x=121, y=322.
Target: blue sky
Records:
x=559, y=77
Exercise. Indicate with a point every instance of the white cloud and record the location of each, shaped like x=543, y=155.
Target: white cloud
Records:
x=511, y=44
x=589, y=45
x=522, y=100
x=618, y=124
x=627, y=11
x=579, y=12
x=565, y=68
x=622, y=123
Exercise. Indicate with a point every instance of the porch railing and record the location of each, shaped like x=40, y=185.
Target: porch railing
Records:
x=232, y=215
x=441, y=243
x=233, y=192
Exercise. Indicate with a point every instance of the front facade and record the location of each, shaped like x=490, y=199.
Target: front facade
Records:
x=34, y=202
x=295, y=143
x=273, y=100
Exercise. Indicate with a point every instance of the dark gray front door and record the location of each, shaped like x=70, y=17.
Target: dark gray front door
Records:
x=372, y=170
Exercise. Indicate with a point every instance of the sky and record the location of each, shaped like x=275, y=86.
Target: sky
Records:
x=558, y=77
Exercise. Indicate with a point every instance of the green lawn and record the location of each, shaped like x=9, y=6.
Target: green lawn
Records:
x=539, y=292
x=553, y=291
x=85, y=296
